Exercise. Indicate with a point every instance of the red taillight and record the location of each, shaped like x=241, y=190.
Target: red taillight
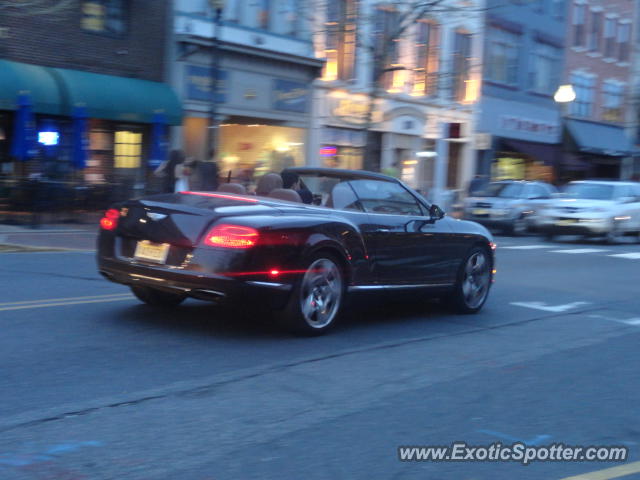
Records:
x=110, y=219
x=231, y=236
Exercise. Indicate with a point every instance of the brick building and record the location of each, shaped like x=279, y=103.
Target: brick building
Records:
x=107, y=56
x=598, y=64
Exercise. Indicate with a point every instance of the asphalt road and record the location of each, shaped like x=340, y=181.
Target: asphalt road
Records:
x=96, y=386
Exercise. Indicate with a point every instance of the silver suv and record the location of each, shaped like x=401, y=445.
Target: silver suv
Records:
x=511, y=205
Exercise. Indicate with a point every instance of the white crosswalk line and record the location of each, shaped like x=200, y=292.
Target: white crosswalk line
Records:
x=632, y=256
x=525, y=247
x=581, y=250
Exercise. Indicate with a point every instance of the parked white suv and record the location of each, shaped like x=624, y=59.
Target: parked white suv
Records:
x=594, y=208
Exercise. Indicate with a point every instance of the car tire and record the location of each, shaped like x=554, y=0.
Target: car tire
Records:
x=317, y=297
x=157, y=298
x=473, y=282
x=612, y=237
x=519, y=227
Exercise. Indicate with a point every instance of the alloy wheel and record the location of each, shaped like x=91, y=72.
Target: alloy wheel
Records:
x=321, y=293
x=476, y=280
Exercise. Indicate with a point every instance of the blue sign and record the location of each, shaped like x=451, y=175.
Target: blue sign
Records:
x=198, y=81
x=290, y=96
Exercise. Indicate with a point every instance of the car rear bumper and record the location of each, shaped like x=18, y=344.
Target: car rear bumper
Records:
x=576, y=227
x=204, y=286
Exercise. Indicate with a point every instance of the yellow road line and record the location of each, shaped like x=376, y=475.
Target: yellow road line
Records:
x=50, y=300
x=61, y=304
x=609, y=473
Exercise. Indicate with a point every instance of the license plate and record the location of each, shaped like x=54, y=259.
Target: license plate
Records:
x=155, y=252
x=561, y=223
x=481, y=211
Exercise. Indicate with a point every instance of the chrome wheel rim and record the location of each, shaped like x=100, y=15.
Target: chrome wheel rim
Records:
x=320, y=293
x=476, y=280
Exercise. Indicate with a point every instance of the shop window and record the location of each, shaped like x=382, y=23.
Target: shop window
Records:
x=427, y=50
x=127, y=149
x=340, y=46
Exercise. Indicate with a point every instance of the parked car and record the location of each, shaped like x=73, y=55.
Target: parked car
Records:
x=595, y=208
x=366, y=232
x=511, y=206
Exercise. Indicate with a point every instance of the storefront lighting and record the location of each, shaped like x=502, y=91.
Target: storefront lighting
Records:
x=565, y=94
x=328, y=151
x=254, y=125
x=295, y=144
x=426, y=154
x=48, y=138
x=410, y=162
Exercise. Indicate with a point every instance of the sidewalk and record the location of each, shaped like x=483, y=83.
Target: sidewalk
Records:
x=48, y=237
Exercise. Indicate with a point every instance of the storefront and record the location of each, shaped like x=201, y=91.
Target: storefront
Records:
x=525, y=141
x=119, y=112
x=262, y=110
x=595, y=150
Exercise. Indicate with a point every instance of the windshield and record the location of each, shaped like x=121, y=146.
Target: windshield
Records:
x=591, y=191
x=503, y=190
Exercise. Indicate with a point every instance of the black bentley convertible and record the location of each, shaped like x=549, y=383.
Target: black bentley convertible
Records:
x=362, y=231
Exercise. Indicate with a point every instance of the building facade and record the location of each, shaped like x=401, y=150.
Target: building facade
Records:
x=106, y=57
x=599, y=66
x=397, y=80
x=523, y=61
x=265, y=64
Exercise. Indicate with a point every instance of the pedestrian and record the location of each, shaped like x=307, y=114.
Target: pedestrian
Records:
x=183, y=175
x=167, y=169
x=208, y=173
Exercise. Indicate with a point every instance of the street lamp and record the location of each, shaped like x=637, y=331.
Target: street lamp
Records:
x=217, y=6
x=565, y=94
x=563, y=97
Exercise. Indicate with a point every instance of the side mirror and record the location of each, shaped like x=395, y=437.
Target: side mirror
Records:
x=436, y=213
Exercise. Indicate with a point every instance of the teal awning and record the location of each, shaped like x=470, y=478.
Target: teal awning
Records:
x=119, y=98
x=600, y=138
x=34, y=80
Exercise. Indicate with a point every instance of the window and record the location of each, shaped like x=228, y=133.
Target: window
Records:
x=579, y=14
x=385, y=197
x=263, y=14
x=624, y=36
x=425, y=75
x=503, y=56
x=127, y=149
x=610, y=38
x=104, y=16
x=288, y=17
x=557, y=8
x=340, y=47
x=387, y=55
x=545, y=68
x=582, y=106
x=595, y=32
x=612, y=101
x=461, y=66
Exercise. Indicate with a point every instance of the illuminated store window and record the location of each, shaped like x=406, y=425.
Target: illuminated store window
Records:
x=103, y=16
x=127, y=149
